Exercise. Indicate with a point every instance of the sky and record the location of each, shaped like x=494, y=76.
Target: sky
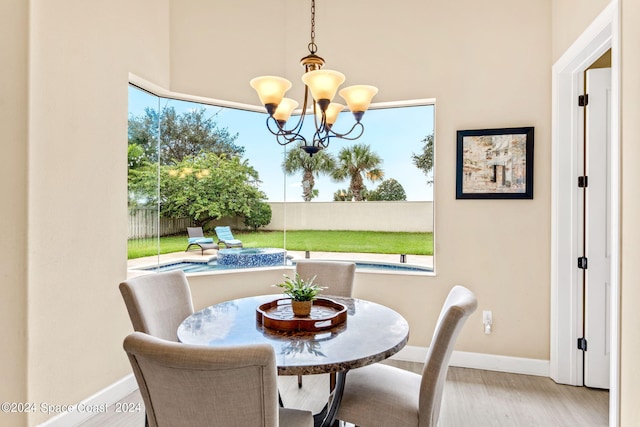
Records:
x=393, y=133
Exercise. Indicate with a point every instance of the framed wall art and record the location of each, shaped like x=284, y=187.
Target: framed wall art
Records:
x=495, y=164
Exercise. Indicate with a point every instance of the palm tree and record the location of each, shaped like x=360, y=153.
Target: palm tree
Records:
x=357, y=163
x=342, y=195
x=311, y=167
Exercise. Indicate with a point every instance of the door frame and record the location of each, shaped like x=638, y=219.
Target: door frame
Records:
x=566, y=365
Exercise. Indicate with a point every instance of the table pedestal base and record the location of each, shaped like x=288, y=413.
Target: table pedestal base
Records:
x=327, y=417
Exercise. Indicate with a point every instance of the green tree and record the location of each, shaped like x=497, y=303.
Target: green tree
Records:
x=347, y=195
x=342, y=196
x=143, y=133
x=180, y=135
x=424, y=160
x=259, y=215
x=388, y=190
x=143, y=186
x=139, y=171
x=311, y=166
x=135, y=156
x=205, y=187
x=358, y=163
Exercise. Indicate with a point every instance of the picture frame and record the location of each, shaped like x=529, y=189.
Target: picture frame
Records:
x=495, y=163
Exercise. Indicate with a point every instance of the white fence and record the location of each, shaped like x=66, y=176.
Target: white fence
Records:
x=144, y=222
x=366, y=216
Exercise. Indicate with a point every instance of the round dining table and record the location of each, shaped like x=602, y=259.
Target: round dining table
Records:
x=370, y=333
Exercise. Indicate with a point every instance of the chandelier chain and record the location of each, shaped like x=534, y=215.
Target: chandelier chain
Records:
x=313, y=48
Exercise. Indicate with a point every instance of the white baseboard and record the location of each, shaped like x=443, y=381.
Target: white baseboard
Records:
x=104, y=398
x=489, y=362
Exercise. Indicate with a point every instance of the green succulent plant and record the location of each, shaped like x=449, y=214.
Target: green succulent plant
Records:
x=299, y=289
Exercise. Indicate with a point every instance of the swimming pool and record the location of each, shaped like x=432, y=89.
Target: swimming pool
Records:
x=251, y=257
x=212, y=265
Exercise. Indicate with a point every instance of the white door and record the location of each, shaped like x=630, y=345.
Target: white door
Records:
x=597, y=229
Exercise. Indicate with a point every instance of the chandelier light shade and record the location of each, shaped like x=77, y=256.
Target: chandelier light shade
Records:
x=323, y=85
x=331, y=114
x=358, y=98
x=284, y=110
x=271, y=90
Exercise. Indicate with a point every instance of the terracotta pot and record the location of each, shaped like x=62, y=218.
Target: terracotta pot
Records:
x=301, y=308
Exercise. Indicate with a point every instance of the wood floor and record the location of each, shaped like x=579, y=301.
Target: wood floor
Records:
x=472, y=397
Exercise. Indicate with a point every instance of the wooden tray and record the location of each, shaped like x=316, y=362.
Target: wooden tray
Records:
x=278, y=315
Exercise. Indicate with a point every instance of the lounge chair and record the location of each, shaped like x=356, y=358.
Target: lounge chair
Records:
x=196, y=238
x=225, y=236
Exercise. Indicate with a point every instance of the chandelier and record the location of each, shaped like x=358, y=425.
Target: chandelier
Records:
x=323, y=85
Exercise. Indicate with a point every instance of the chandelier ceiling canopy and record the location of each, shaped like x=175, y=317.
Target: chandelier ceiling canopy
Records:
x=323, y=85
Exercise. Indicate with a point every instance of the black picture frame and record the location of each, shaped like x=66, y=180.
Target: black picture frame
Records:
x=495, y=163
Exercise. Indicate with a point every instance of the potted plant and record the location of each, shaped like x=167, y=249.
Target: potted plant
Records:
x=302, y=293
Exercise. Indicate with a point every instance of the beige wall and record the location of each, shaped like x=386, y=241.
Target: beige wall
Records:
x=370, y=216
x=484, y=73
x=489, y=72
x=630, y=293
x=81, y=53
x=13, y=194
x=569, y=18
x=208, y=36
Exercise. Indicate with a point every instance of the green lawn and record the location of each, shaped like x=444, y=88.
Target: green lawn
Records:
x=305, y=240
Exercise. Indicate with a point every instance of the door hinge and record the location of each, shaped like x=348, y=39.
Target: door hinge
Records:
x=582, y=262
x=583, y=100
x=583, y=181
x=582, y=344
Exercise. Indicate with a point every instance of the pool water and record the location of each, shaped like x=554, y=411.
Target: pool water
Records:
x=199, y=267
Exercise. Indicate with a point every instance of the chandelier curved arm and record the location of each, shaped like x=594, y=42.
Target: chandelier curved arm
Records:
x=321, y=140
x=345, y=135
x=286, y=140
x=283, y=136
x=286, y=136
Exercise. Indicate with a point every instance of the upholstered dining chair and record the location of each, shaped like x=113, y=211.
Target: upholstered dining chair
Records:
x=380, y=394
x=337, y=276
x=157, y=303
x=188, y=385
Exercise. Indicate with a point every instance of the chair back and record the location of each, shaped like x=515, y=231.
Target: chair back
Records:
x=195, y=232
x=337, y=276
x=224, y=233
x=460, y=303
x=157, y=303
x=189, y=385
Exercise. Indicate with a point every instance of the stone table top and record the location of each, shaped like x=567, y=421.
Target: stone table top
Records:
x=371, y=333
